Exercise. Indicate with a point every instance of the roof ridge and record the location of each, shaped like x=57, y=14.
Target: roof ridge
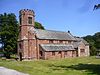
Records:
x=53, y=30
x=57, y=44
x=52, y=34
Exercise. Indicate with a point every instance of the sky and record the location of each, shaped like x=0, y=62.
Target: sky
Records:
x=77, y=16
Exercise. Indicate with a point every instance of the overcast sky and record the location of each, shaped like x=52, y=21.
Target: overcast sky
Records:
x=77, y=16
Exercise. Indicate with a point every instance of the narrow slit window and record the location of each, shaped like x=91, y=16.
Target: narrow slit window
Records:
x=20, y=46
x=20, y=21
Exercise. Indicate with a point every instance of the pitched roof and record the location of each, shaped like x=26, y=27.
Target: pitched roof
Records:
x=53, y=35
x=56, y=47
x=79, y=39
x=78, y=42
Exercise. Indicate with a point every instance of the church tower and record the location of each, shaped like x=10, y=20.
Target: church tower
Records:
x=26, y=41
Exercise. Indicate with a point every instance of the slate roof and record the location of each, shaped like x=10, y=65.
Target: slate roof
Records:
x=53, y=35
x=78, y=41
x=56, y=47
x=76, y=44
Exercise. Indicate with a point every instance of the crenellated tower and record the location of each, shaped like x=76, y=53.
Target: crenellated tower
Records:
x=26, y=41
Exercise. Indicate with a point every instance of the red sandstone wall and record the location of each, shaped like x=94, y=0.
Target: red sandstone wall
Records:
x=26, y=37
x=48, y=55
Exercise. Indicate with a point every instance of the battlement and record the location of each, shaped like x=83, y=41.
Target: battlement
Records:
x=27, y=12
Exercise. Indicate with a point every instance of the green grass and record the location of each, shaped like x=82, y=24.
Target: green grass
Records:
x=68, y=66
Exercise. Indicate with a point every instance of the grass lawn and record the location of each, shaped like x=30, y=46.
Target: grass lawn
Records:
x=68, y=66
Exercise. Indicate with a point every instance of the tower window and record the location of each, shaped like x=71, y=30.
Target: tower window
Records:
x=30, y=20
x=20, y=46
x=20, y=21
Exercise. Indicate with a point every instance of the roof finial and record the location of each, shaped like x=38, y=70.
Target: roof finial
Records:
x=68, y=31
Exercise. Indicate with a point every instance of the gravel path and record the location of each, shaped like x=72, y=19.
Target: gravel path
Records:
x=6, y=71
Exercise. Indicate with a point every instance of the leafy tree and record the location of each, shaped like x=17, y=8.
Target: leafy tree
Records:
x=97, y=40
x=97, y=6
x=39, y=26
x=91, y=41
x=94, y=42
x=93, y=50
x=8, y=33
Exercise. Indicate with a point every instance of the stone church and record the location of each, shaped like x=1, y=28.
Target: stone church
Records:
x=47, y=44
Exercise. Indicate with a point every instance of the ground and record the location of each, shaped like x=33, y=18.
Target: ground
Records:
x=6, y=71
x=68, y=66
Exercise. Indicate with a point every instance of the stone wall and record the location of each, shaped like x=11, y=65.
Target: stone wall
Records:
x=56, y=54
x=83, y=50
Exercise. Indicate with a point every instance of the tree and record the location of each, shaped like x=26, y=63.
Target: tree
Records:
x=91, y=41
x=93, y=50
x=94, y=42
x=96, y=6
x=97, y=40
x=9, y=33
x=39, y=26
